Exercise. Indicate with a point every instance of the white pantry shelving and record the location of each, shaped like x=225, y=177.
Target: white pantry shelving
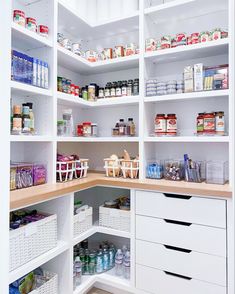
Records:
x=169, y=18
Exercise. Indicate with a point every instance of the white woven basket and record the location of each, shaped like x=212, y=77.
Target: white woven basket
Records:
x=82, y=221
x=50, y=287
x=114, y=218
x=32, y=240
x=67, y=170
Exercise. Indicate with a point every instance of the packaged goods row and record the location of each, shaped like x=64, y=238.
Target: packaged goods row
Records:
x=196, y=78
x=30, y=23
x=207, y=123
x=22, y=119
x=213, y=172
x=29, y=70
x=25, y=174
x=183, y=39
x=92, y=92
x=93, y=55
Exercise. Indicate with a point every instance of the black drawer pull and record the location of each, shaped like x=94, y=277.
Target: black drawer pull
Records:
x=177, y=196
x=177, y=249
x=178, y=276
x=177, y=222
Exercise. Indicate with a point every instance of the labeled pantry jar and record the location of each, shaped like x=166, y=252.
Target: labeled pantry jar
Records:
x=171, y=124
x=200, y=123
x=219, y=123
x=209, y=123
x=160, y=124
x=87, y=129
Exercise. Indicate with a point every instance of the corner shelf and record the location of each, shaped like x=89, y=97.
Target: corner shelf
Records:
x=200, y=50
x=26, y=89
x=28, y=39
x=188, y=96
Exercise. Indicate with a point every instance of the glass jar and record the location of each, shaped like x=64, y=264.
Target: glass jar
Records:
x=113, y=90
x=209, y=123
x=124, y=88
x=160, y=125
x=219, y=123
x=107, y=90
x=136, y=87
x=68, y=123
x=130, y=88
x=94, y=129
x=84, y=93
x=87, y=129
x=101, y=93
x=91, y=93
x=119, y=89
x=60, y=128
x=200, y=123
x=171, y=124
x=79, y=130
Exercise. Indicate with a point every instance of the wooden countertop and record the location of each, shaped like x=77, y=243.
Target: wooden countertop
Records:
x=33, y=195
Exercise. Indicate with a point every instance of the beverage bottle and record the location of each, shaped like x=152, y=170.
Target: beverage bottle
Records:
x=118, y=262
x=74, y=277
x=78, y=270
x=127, y=265
x=124, y=250
x=106, y=259
x=111, y=256
x=99, y=262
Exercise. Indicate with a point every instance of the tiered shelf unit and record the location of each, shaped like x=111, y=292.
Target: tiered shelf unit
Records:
x=149, y=21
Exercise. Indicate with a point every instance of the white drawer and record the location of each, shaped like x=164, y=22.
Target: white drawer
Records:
x=196, y=210
x=199, y=238
x=204, y=267
x=158, y=282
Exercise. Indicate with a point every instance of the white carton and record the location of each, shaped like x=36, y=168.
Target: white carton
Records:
x=198, y=77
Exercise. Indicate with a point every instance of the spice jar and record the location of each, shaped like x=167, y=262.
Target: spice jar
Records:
x=119, y=89
x=160, y=124
x=101, y=93
x=171, y=124
x=87, y=129
x=94, y=129
x=209, y=123
x=113, y=90
x=79, y=130
x=77, y=90
x=136, y=87
x=85, y=93
x=91, y=93
x=130, y=88
x=72, y=89
x=219, y=123
x=115, y=131
x=200, y=123
x=107, y=90
x=124, y=88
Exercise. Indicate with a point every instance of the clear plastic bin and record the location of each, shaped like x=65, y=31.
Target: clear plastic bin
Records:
x=217, y=172
x=174, y=170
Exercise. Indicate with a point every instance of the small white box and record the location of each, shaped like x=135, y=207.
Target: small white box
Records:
x=198, y=77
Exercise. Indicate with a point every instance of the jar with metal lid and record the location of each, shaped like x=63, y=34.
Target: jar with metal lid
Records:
x=94, y=129
x=107, y=90
x=220, y=123
x=79, y=130
x=85, y=93
x=113, y=89
x=209, y=123
x=124, y=88
x=160, y=124
x=171, y=124
x=77, y=90
x=60, y=128
x=119, y=89
x=101, y=93
x=130, y=88
x=200, y=123
x=86, y=129
x=60, y=38
x=136, y=87
x=91, y=93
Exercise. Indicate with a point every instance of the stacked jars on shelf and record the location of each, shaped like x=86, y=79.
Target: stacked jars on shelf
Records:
x=123, y=128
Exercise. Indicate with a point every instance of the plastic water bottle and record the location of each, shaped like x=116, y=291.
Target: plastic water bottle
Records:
x=127, y=265
x=78, y=271
x=100, y=262
x=124, y=249
x=118, y=263
x=106, y=259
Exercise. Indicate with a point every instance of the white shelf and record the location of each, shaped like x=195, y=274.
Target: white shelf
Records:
x=189, y=139
x=108, y=278
x=77, y=24
x=183, y=9
x=29, y=138
x=67, y=99
x=98, y=139
x=200, y=50
x=38, y=261
x=99, y=229
x=79, y=64
x=188, y=96
x=26, y=39
x=21, y=88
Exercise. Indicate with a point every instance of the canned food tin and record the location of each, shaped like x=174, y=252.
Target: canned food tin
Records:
x=195, y=38
x=43, y=31
x=91, y=55
x=173, y=43
x=181, y=39
x=59, y=84
x=31, y=24
x=204, y=37
x=19, y=17
x=119, y=51
x=150, y=44
x=108, y=53
x=165, y=42
x=215, y=34
x=76, y=48
x=130, y=49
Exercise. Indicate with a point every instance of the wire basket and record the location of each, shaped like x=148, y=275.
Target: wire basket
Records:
x=121, y=167
x=69, y=170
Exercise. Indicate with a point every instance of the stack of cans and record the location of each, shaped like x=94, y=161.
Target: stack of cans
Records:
x=151, y=87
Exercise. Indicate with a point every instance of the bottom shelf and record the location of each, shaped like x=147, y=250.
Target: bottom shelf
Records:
x=108, y=278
